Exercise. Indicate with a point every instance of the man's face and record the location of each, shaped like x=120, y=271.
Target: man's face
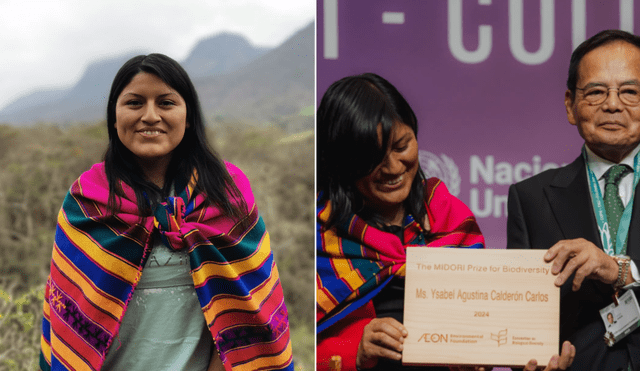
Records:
x=610, y=129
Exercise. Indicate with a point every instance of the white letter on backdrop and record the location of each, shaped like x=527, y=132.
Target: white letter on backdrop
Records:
x=455, y=35
x=626, y=15
x=578, y=22
x=330, y=29
x=516, y=32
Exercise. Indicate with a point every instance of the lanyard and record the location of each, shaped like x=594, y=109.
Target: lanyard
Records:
x=601, y=216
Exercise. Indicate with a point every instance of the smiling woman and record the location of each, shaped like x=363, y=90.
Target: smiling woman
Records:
x=151, y=120
x=374, y=200
x=389, y=184
x=161, y=260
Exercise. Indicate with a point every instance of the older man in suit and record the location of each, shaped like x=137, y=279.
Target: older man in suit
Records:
x=588, y=213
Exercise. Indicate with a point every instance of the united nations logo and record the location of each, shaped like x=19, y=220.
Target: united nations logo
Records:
x=441, y=167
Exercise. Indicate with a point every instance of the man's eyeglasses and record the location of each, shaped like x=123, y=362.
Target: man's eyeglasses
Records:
x=595, y=95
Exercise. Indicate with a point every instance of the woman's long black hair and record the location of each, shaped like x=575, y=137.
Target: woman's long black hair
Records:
x=348, y=145
x=193, y=152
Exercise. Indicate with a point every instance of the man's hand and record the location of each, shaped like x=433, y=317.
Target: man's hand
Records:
x=561, y=362
x=382, y=337
x=582, y=257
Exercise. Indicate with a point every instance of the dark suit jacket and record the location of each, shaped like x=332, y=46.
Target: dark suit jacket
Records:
x=555, y=205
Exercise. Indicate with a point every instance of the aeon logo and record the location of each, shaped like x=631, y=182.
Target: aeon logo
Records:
x=442, y=168
x=434, y=338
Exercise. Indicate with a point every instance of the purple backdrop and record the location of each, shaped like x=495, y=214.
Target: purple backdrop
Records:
x=485, y=78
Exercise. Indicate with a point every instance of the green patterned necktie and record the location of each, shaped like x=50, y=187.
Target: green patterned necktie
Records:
x=612, y=202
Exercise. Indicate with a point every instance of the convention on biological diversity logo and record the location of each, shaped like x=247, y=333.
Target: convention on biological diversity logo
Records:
x=500, y=337
x=442, y=168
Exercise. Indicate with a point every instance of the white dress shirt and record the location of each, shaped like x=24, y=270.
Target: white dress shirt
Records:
x=599, y=166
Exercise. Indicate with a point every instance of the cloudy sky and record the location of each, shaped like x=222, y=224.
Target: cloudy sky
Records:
x=47, y=44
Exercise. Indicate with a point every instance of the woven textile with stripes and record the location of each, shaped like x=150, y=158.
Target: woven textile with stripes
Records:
x=355, y=260
x=98, y=260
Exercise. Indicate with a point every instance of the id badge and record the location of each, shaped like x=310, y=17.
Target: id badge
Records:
x=620, y=320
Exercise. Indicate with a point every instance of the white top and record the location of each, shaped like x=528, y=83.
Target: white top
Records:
x=163, y=328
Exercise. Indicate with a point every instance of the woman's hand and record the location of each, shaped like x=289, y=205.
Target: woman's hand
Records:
x=382, y=337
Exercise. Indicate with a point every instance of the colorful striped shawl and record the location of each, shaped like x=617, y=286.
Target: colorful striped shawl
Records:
x=98, y=259
x=355, y=260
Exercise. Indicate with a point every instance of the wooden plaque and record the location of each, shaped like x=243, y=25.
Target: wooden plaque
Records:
x=479, y=307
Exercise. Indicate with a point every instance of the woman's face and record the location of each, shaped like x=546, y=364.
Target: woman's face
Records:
x=151, y=119
x=390, y=182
